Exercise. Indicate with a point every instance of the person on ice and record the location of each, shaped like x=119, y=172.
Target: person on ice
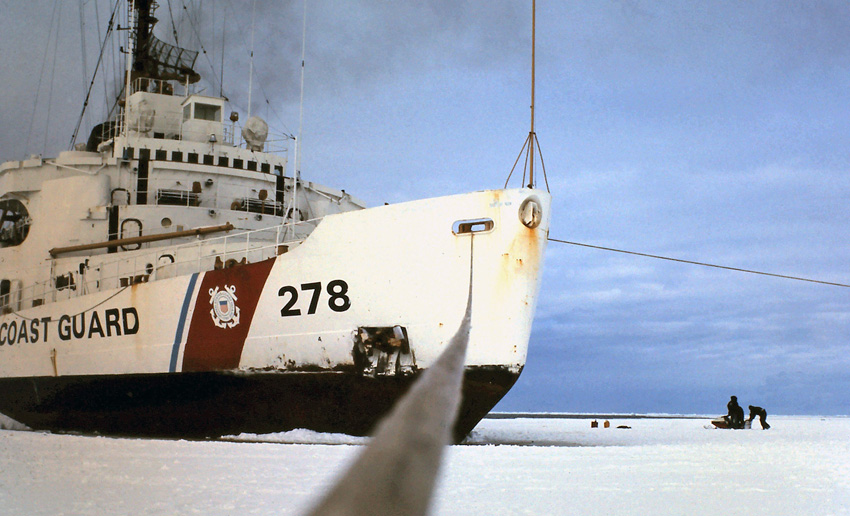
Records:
x=762, y=415
x=735, y=418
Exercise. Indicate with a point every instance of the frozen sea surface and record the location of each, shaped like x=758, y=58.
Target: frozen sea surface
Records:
x=508, y=466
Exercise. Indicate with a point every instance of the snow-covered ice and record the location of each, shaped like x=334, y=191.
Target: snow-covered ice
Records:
x=508, y=466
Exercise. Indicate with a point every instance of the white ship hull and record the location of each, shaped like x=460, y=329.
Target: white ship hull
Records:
x=325, y=336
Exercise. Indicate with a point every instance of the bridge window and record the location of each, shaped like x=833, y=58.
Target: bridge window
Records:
x=207, y=112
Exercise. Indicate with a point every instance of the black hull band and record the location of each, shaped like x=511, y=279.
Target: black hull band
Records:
x=205, y=405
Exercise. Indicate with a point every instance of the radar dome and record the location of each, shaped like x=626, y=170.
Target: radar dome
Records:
x=255, y=132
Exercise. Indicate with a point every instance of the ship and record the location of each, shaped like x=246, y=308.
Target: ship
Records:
x=172, y=278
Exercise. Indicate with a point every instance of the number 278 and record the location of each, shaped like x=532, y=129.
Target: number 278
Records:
x=337, y=291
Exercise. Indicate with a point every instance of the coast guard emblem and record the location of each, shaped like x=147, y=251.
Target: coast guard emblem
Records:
x=224, y=312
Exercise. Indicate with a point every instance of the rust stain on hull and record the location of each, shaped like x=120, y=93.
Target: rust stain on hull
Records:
x=524, y=255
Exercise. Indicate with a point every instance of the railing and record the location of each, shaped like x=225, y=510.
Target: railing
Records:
x=221, y=194
x=231, y=133
x=157, y=86
x=152, y=264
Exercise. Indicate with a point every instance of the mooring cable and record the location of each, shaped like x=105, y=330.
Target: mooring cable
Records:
x=703, y=264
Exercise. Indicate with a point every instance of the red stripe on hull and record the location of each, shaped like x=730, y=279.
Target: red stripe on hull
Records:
x=224, y=308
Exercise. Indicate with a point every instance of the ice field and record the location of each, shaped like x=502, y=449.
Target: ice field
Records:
x=508, y=466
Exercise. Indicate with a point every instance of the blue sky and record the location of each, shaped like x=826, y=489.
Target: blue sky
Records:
x=713, y=132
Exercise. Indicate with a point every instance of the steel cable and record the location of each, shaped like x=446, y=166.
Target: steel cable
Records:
x=703, y=264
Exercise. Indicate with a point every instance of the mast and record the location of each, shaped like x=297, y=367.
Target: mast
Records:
x=251, y=69
x=221, y=69
x=531, y=135
x=531, y=146
x=141, y=32
x=131, y=58
x=297, y=164
x=151, y=58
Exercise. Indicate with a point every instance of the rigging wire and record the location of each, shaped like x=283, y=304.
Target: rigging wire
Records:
x=85, y=66
x=542, y=165
x=220, y=85
x=96, y=68
x=186, y=16
x=280, y=121
x=173, y=27
x=528, y=148
x=52, y=79
x=112, y=84
x=702, y=264
x=104, y=75
x=40, y=77
x=118, y=71
x=531, y=139
x=203, y=48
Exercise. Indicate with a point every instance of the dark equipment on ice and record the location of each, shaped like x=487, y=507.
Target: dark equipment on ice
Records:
x=762, y=415
x=735, y=418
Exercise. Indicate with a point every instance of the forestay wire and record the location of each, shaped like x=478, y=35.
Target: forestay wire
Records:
x=109, y=29
x=703, y=264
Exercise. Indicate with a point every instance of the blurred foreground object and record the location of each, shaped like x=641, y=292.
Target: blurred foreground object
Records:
x=395, y=474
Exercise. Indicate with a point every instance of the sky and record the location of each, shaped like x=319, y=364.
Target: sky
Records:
x=713, y=132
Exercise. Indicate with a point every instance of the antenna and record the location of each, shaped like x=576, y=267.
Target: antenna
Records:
x=223, y=34
x=301, y=101
x=251, y=69
x=531, y=141
x=83, y=49
x=531, y=135
x=132, y=21
x=296, y=174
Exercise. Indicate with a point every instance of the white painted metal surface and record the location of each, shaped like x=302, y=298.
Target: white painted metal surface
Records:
x=401, y=265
